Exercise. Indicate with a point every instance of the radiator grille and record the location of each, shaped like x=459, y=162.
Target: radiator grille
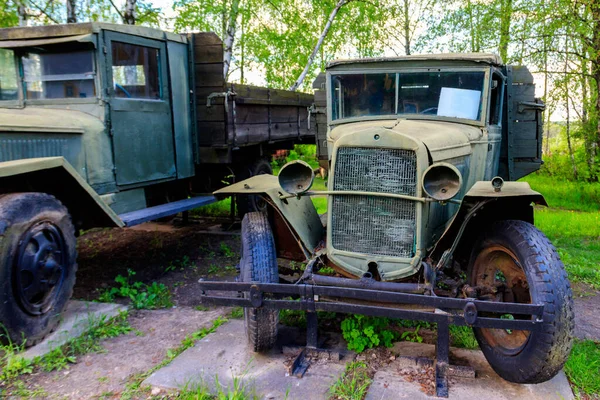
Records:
x=369, y=224
x=376, y=170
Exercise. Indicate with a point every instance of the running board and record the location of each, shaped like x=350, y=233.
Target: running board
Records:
x=164, y=210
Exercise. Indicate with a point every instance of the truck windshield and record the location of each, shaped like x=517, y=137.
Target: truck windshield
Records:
x=9, y=89
x=59, y=75
x=455, y=94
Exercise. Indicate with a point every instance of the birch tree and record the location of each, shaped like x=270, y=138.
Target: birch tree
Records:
x=71, y=11
x=324, y=33
x=130, y=13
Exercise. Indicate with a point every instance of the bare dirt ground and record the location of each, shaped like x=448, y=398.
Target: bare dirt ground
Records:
x=176, y=256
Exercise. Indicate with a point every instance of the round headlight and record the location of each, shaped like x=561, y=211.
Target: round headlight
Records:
x=296, y=177
x=442, y=181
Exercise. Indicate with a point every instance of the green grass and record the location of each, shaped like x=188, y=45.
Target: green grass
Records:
x=353, y=384
x=576, y=236
x=579, y=196
x=583, y=368
x=219, y=209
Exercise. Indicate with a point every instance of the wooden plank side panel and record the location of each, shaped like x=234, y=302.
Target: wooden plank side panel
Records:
x=211, y=133
x=214, y=113
x=206, y=39
x=525, y=148
x=207, y=54
x=282, y=114
x=525, y=130
x=209, y=75
x=521, y=74
x=251, y=114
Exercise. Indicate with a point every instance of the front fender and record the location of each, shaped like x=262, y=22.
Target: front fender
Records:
x=55, y=176
x=299, y=213
x=482, y=205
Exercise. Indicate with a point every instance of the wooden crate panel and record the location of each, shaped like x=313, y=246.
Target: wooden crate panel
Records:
x=210, y=133
x=281, y=114
x=213, y=113
x=209, y=75
x=251, y=114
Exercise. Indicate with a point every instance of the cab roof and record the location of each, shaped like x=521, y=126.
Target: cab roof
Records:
x=467, y=58
x=53, y=32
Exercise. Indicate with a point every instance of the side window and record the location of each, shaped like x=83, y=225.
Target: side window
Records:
x=496, y=93
x=135, y=71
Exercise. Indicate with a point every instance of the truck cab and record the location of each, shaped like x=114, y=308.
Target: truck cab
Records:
x=101, y=96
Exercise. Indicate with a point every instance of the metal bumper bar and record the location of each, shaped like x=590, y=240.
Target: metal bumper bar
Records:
x=447, y=311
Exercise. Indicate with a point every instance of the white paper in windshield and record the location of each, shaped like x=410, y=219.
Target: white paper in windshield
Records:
x=459, y=103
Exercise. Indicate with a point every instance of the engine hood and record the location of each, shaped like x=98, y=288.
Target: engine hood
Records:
x=444, y=140
x=46, y=120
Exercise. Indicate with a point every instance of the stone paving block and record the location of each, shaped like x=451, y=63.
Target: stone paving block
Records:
x=75, y=320
x=389, y=383
x=225, y=355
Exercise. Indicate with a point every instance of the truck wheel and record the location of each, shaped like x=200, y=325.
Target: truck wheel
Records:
x=37, y=265
x=517, y=256
x=259, y=264
x=246, y=204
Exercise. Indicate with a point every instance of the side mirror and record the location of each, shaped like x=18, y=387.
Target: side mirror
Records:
x=296, y=177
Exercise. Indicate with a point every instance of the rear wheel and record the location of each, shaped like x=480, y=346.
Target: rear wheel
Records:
x=516, y=257
x=252, y=203
x=259, y=264
x=37, y=264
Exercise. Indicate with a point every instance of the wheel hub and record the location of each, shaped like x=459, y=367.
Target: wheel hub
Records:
x=39, y=270
x=498, y=266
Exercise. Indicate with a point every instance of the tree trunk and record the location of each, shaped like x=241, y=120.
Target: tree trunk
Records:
x=505, y=19
x=568, y=109
x=595, y=65
x=71, y=12
x=406, y=29
x=22, y=12
x=334, y=12
x=230, y=36
x=130, y=14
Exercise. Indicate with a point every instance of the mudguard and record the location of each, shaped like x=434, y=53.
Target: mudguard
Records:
x=512, y=201
x=299, y=213
x=55, y=176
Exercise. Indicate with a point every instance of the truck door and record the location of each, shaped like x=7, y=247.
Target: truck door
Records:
x=140, y=109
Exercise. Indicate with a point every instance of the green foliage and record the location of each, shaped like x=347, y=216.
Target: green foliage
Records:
x=583, y=368
x=462, y=336
x=353, y=384
x=362, y=332
x=225, y=250
x=412, y=336
x=237, y=313
x=142, y=296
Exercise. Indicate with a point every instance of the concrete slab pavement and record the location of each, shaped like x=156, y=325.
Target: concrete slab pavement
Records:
x=225, y=355
x=75, y=321
x=390, y=383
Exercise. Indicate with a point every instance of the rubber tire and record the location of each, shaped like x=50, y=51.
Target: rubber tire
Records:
x=247, y=204
x=546, y=351
x=18, y=213
x=259, y=264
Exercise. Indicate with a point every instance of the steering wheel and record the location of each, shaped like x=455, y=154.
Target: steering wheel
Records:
x=430, y=111
x=117, y=86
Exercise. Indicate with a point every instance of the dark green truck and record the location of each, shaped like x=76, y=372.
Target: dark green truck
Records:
x=107, y=125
